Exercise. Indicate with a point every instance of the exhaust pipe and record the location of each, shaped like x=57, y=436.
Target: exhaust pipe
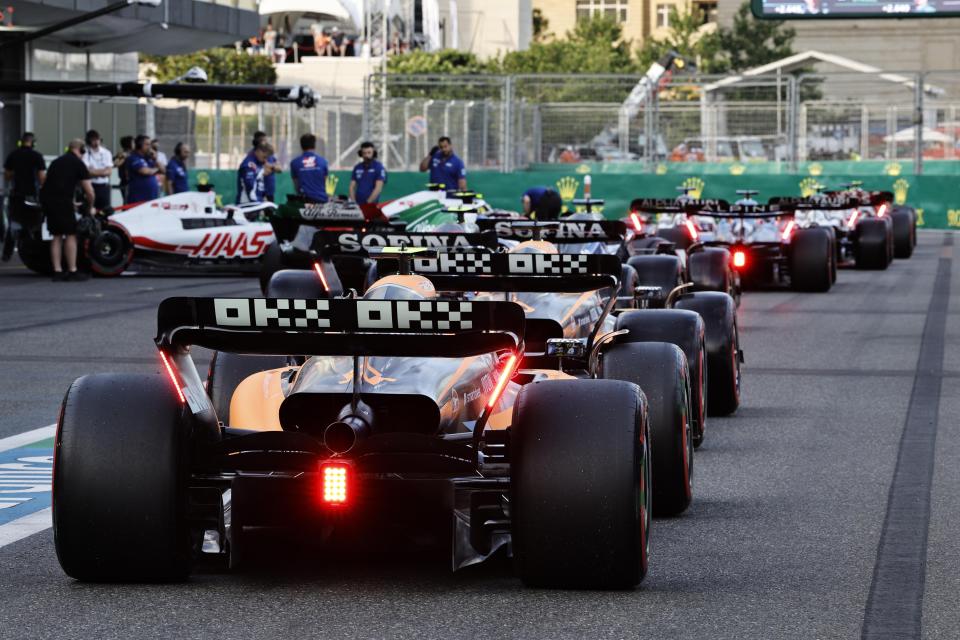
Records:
x=352, y=424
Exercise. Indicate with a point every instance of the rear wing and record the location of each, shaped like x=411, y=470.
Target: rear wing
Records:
x=672, y=205
x=560, y=231
x=821, y=202
x=361, y=241
x=536, y=272
x=284, y=326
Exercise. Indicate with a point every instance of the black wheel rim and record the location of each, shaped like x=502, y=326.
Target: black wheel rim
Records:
x=108, y=249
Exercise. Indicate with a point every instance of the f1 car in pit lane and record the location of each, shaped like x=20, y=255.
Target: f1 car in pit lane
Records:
x=434, y=199
x=186, y=231
x=405, y=406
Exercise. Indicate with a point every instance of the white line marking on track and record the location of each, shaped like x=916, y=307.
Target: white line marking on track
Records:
x=28, y=437
x=26, y=526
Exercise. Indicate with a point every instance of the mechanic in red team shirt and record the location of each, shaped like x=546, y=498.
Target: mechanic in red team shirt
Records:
x=309, y=171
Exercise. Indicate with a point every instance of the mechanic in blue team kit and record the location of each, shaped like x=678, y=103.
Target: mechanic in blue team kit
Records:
x=252, y=174
x=24, y=171
x=531, y=198
x=142, y=172
x=368, y=177
x=274, y=167
x=444, y=166
x=309, y=171
x=177, y=169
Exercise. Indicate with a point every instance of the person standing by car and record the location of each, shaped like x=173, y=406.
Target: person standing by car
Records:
x=444, y=166
x=67, y=174
x=368, y=177
x=177, y=170
x=252, y=174
x=142, y=172
x=99, y=163
x=120, y=162
x=531, y=198
x=309, y=171
x=273, y=168
x=24, y=171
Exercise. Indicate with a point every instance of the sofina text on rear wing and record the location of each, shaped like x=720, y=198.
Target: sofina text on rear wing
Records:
x=561, y=231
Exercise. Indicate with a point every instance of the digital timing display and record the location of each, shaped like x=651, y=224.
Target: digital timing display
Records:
x=790, y=9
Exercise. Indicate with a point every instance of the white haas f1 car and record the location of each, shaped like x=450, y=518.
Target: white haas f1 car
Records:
x=182, y=231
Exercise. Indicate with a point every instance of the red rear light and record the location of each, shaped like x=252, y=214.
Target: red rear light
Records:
x=788, y=230
x=637, y=224
x=739, y=259
x=505, y=376
x=882, y=210
x=334, y=478
x=692, y=228
x=171, y=372
x=323, y=279
x=853, y=217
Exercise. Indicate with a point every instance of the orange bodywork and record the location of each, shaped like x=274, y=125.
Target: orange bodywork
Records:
x=256, y=402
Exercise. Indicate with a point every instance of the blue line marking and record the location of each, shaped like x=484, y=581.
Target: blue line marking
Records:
x=26, y=476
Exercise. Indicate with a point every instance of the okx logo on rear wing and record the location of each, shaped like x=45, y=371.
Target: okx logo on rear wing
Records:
x=480, y=271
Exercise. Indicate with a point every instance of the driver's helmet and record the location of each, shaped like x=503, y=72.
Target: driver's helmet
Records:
x=534, y=246
x=397, y=287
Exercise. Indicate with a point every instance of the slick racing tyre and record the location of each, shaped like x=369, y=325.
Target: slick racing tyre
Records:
x=710, y=270
x=686, y=330
x=664, y=271
x=628, y=283
x=580, y=505
x=811, y=257
x=305, y=283
x=110, y=251
x=719, y=314
x=35, y=254
x=228, y=370
x=677, y=235
x=904, y=232
x=872, y=250
x=665, y=381
x=271, y=263
x=120, y=478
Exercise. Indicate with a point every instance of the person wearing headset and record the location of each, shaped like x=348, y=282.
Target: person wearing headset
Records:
x=368, y=176
x=24, y=171
x=177, y=170
x=309, y=171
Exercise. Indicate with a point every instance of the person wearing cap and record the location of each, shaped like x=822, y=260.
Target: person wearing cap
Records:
x=445, y=167
x=24, y=171
x=252, y=174
x=177, y=170
x=66, y=175
x=99, y=163
x=309, y=171
x=368, y=176
x=273, y=167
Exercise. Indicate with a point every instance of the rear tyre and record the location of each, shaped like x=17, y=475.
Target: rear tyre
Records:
x=628, y=284
x=580, y=505
x=872, y=241
x=664, y=271
x=34, y=253
x=110, y=252
x=228, y=370
x=664, y=379
x=271, y=263
x=719, y=313
x=710, y=270
x=120, y=477
x=811, y=255
x=679, y=237
x=304, y=283
x=904, y=232
x=686, y=330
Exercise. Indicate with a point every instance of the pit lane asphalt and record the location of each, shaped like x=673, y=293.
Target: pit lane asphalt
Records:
x=781, y=541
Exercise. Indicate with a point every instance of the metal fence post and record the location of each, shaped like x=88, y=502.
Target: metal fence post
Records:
x=507, y=131
x=406, y=136
x=466, y=129
x=485, y=135
x=218, y=108
x=793, y=87
x=918, y=120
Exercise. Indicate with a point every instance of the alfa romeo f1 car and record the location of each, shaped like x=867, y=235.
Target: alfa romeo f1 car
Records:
x=186, y=231
x=401, y=406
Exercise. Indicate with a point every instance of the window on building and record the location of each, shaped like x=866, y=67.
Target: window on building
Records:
x=707, y=11
x=616, y=9
x=663, y=15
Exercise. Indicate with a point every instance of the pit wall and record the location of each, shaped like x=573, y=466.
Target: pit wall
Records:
x=936, y=197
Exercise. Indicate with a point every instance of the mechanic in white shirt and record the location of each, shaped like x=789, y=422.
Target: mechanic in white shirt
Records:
x=99, y=163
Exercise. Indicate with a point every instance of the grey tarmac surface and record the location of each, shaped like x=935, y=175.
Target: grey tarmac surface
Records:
x=781, y=540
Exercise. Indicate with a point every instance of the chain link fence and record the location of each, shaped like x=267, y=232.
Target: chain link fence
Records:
x=505, y=123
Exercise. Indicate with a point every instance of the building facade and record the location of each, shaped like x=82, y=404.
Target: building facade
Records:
x=641, y=19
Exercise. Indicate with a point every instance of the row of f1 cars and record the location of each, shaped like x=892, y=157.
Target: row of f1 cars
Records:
x=533, y=386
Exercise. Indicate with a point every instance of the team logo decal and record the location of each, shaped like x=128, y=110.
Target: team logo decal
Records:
x=455, y=263
x=292, y=314
x=545, y=263
x=403, y=314
x=506, y=264
x=279, y=313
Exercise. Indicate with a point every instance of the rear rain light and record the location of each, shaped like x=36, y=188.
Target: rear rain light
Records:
x=853, y=217
x=505, y=376
x=172, y=374
x=739, y=258
x=334, y=484
x=637, y=224
x=692, y=228
x=882, y=210
x=788, y=230
x=323, y=279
